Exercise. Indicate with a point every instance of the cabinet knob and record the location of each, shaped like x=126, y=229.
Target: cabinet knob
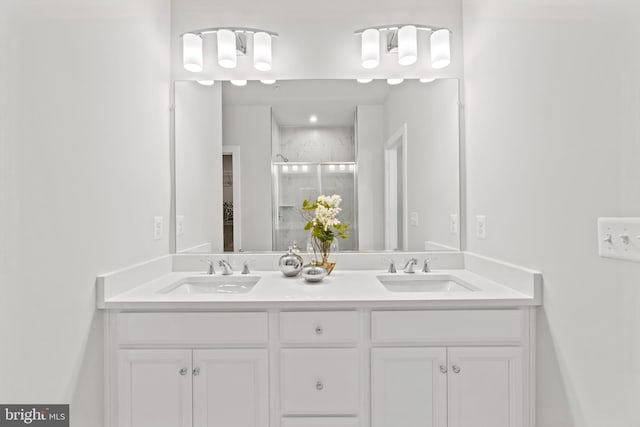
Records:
x=319, y=330
x=196, y=371
x=319, y=385
x=184, y=371
x=443, y=369
x=456, y=369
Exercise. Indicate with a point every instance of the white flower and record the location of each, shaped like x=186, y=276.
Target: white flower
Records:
x=327, y=211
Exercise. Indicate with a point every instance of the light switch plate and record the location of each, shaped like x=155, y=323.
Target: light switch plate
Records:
x=481, y=227
x=413, y=219
x=619, y=238
x=179, y=225
x=453, y=223
x=157, y=227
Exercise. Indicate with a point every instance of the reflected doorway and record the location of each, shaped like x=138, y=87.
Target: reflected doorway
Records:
x=231, y=199
x=396, y=233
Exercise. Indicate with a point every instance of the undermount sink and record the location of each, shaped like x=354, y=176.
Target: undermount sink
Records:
x=212, y=285
x=402, y=282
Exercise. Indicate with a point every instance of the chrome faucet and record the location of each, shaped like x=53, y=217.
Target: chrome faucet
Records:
x=425, y=267
x=226, y=267
x=408, y=267
x=210, y=270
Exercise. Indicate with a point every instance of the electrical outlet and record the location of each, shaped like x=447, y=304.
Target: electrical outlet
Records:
x=179, y=225
x=413, y=219
x=481, y=227
x=453, y=224
x=157, y=227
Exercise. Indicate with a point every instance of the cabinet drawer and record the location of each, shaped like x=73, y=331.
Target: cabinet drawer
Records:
x=192, y=328
x=320, y=381
x=319, y=422
x=444, y=326
x=319, y=327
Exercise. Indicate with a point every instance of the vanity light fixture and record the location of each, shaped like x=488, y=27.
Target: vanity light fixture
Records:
x=370, y=51
x=403, y=39
x=206, y=82
x=427, y=80
x=231, y=42
x=192, y=55
x=440, y=48
x=364, y=80
x=239, y=82
x=394, y=81
x=267, y=81
x=407, y=45
x=313, y=118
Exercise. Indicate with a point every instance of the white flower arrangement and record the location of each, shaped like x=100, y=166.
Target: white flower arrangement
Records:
x=324, y=223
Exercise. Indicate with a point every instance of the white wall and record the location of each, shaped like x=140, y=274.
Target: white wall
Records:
x=433, y=185
x=371, y=129
x=84, y=156
x=316, y=40
x=553, y=142
x=249, y=126
x=317, y=144
x=198, y=163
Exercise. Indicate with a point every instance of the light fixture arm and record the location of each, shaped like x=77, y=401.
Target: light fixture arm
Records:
x=237, y=30
x=396, y=27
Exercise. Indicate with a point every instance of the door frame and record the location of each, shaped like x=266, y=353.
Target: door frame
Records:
x=397, y=140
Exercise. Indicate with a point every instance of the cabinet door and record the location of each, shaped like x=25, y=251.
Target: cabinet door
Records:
x=409, y=387
x=230, y=388
x=485, y=387
x=154, y=388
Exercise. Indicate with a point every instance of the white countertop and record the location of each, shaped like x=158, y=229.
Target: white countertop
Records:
x=343, y=288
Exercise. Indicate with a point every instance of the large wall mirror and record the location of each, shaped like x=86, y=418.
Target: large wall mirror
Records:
x=246, y=157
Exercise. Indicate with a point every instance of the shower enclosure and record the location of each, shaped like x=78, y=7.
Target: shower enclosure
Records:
x=294, y=182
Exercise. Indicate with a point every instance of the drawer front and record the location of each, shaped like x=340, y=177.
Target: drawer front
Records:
x=319, y=422
x=319, y=327
x=192, y=328
x=455, y=326
x=320, y=381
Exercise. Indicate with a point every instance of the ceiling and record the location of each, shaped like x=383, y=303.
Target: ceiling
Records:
x=316, y=39
x=333, y=102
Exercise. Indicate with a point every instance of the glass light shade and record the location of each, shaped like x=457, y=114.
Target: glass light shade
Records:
x=364, y=80
x=370, y=53
x=239, y=82
x=227, y=56
x=206, y=82
x=192, y=56
x=440, y=49
x=407, y=45
x=427, y=80
x=262, y=51
x=394, y=81
x=267, y=81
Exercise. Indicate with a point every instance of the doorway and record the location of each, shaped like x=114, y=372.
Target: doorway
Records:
x=231, y=218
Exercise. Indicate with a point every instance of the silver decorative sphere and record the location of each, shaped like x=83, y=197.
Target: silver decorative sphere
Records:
x=314, y=273
x=290, y=263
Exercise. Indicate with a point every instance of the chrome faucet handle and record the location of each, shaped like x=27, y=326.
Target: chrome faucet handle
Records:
x=226, y=267
x=392, y=266
x=408, y=267
x=425, y=267
x=210, y=270
x=245, y=267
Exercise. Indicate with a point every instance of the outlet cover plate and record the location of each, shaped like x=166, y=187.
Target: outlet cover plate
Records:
x=619, y=238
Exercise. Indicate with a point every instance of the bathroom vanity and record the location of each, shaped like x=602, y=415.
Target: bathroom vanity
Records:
x=454, y=347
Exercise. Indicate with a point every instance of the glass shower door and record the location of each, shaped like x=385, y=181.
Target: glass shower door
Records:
x=294, y=182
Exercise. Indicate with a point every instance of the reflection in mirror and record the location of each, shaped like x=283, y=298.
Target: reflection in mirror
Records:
x=246, y=158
